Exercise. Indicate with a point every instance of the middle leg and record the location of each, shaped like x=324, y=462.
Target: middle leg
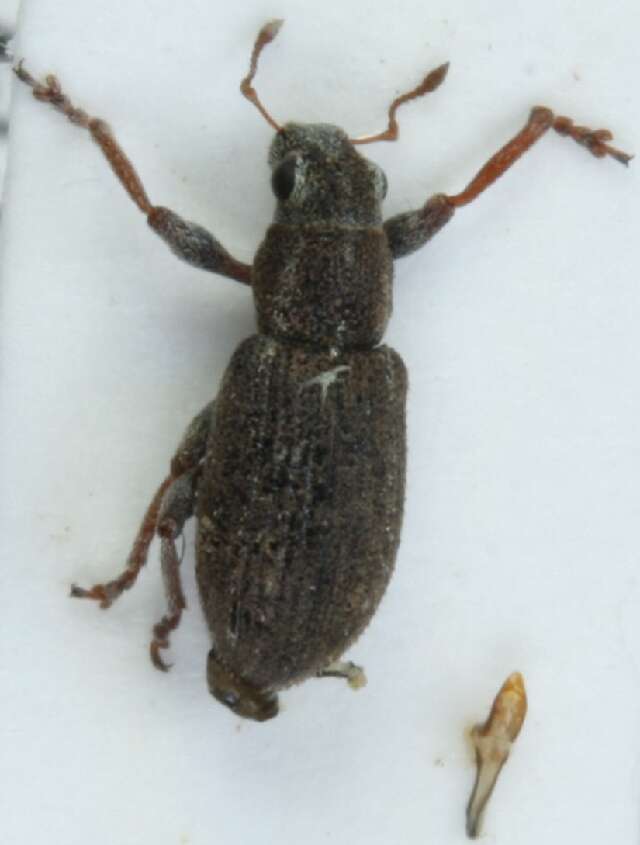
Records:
x=177, y=507
x=170, y=508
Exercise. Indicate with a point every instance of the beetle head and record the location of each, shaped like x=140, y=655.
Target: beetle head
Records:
x=319, y=177
x=237, y=695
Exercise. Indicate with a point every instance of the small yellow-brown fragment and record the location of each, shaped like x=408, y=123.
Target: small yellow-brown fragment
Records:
x=492, y=742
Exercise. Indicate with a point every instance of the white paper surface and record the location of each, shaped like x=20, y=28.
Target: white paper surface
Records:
x=519, y=325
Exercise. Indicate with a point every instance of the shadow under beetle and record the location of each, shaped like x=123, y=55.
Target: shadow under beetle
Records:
x=296, y=471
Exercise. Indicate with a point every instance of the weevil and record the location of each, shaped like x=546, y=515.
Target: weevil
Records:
x=295, y=472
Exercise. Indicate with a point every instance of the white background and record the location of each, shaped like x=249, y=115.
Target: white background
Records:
x=519, y=325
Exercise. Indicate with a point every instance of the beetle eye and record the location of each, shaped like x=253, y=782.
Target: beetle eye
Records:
x=230, y=698
x=379, y=180
x=284, y=178
x=384, y=185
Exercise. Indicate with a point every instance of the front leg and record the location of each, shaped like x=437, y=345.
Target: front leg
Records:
x=195, y=245
x=408, y=232
x=540, y=121
x=187, y=240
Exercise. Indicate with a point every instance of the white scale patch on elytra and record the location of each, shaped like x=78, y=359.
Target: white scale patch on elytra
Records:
x=326, y=379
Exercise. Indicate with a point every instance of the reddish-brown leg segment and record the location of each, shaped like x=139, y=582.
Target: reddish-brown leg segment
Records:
x=176, y=602
x=540, y=120
x=177, y=508
x=51, y=92
x=187, y=240
x=107, y=593
x=170, y=508
x=411, y=230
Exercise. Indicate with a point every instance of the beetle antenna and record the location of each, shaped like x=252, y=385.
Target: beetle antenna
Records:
x=431, y=81
x=265, y=36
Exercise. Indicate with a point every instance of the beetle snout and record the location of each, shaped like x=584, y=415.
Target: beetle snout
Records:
x=236, y=694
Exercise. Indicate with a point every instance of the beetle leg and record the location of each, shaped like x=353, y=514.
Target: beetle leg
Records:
x=108, y=592
x=408, y=232
x=352, y=673
x=177, y=508
x=540, y=121
x=188, y=241
x=195, y=245
x=187, y=458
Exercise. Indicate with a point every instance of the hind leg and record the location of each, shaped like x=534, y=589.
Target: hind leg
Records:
x=170, y=507
x=352, y=673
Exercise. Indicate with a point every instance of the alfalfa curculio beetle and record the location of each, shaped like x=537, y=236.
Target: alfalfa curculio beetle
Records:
x=295, y=472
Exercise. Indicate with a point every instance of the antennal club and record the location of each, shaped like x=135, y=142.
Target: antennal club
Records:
x=431, y=81
x=265, y=36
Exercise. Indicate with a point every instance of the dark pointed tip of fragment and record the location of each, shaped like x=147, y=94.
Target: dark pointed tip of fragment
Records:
x=473, y=829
